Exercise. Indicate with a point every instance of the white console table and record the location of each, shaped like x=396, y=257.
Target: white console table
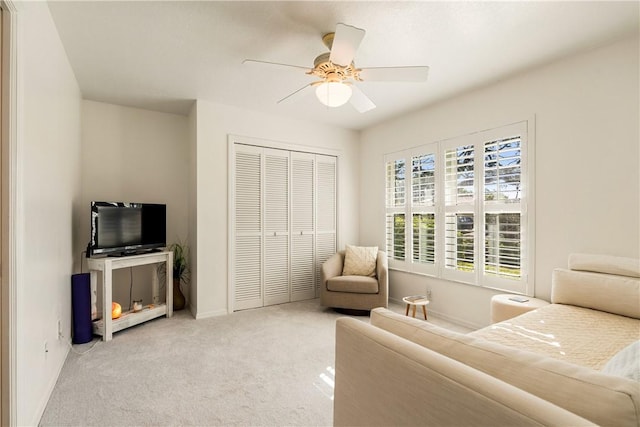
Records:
x=107, y=326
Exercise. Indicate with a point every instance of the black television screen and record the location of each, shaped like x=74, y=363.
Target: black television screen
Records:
x=119, y=228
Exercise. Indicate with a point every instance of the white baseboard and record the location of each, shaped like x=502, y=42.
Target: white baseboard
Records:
x=446, y=317
x=212, y=313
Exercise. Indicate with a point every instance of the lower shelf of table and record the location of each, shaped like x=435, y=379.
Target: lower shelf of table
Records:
x=130, y=318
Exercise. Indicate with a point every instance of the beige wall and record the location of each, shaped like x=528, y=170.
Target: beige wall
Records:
x=134, y=155
x=214, y=123
x=48, y=187
x=586, y=111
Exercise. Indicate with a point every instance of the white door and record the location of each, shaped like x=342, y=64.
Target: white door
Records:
x=276, y=226
x=326, y=231
x=247, y=263
x=302, y=226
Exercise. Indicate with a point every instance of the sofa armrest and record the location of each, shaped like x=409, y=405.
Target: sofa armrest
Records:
x=382, y=379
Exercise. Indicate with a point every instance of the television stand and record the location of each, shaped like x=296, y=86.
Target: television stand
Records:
x=107, y=326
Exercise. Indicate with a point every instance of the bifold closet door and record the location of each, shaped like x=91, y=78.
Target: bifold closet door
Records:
x=247, y=263
x=276, y=226
x=302, y=226
x=284, y=224
x=326, y=209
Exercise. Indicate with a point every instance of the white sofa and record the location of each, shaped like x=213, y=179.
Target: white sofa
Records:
x=397, y=370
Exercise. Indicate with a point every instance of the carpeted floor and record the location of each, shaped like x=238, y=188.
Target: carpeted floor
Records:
x=271, y=366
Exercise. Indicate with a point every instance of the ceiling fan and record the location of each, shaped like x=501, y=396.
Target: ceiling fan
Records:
x=337, y=72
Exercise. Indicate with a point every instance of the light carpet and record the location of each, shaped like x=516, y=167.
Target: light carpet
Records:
x=271, y=366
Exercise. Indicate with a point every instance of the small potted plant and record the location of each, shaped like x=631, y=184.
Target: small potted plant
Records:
x=180, y=273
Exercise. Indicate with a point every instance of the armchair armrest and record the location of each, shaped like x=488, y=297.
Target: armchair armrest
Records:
x=382, y=273
x=332, y=268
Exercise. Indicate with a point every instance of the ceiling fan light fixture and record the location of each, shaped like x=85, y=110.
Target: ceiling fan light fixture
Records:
x=333, y=94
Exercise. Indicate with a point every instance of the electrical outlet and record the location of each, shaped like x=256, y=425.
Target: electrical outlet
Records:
x=59, y=329
x=429, y=294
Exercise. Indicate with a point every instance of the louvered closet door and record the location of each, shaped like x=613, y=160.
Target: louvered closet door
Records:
x=276, y=226
x=325, y=212
x=302, y=226
x=248, y=229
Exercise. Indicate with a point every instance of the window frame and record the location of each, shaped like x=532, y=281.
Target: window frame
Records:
x=480, y=207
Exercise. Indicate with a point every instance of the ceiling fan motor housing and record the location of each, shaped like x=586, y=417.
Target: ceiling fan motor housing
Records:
x=328, y=71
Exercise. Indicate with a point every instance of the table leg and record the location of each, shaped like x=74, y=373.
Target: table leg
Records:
x=414, y=311
x=93, y=274
x=406, y=313
x=106, y=302
x=424, y=311
x=169, y=284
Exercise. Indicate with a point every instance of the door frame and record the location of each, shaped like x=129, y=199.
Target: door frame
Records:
x=8, y=194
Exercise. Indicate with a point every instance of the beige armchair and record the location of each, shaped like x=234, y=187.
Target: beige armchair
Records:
x=354, y=292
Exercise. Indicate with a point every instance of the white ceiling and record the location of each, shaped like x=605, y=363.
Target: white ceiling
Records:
x=161, y=55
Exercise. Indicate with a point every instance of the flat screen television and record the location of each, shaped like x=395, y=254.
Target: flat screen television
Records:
x=119, y=228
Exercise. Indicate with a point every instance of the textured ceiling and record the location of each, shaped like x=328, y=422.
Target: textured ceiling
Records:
x=161, y=55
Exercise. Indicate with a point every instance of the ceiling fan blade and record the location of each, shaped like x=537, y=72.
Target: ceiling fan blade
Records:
x=395, y=74
x=345, y=42
x=295, y=95
x=360, y=101
x=274, y=64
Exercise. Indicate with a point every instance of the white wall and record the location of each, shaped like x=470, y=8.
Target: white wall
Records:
x=134, y=155
x=214, y=123
x=48, y=182
x=587, y=152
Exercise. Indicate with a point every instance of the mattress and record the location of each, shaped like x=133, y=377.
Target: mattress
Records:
x=577, y=335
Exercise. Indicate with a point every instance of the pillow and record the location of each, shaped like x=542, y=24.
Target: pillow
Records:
x=360, y=261
x=626, y=363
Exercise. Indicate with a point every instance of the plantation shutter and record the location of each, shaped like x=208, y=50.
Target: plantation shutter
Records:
x=395, y=202
x=276, y=226
x=423, y=210
x=248, y=229
x=302, y=226
x=460, y=211
x=326, y=212
x=504, y=209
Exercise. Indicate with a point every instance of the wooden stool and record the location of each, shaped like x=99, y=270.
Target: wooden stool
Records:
x=414, y=301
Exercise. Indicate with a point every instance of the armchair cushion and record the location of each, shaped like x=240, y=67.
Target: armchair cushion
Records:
x=360, y=261
x=355, y=284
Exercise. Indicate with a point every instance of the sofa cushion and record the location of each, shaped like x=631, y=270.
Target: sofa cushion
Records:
x=567, y=333
x=604, y=292
x=354, y=284
x=360, y=261
x=612, y=400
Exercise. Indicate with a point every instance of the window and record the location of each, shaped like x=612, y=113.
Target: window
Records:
x=460, y=211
